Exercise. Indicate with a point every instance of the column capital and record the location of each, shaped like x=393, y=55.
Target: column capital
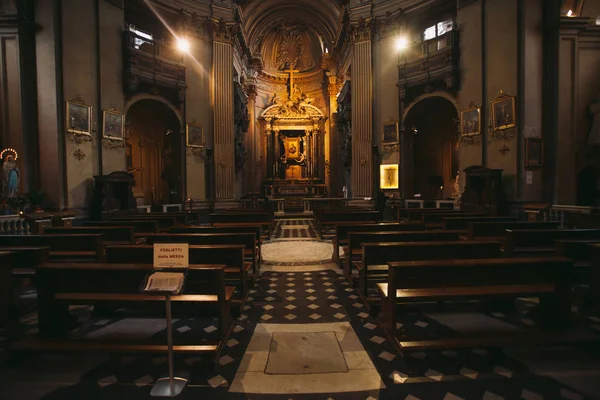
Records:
x=223, y=31
x=362, y=30
x=251, y=91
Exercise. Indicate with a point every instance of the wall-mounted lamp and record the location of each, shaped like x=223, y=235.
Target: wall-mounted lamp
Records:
x=183, y=45
x=401, y=43
x=570, y=13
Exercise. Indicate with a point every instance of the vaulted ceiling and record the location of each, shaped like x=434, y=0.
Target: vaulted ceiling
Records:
x=320, y=18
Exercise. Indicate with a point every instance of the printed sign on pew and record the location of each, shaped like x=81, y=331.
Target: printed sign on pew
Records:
x=171, y=256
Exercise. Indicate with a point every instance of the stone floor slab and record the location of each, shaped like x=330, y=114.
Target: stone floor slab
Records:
x=305, y=353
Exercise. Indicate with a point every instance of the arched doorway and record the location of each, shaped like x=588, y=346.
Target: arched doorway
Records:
x=154, y=152
x=432, y=156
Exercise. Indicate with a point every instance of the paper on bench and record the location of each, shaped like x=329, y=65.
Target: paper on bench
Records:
x=171, y=255
x=164, y=282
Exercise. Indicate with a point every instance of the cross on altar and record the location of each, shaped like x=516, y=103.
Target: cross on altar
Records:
x=291, y=71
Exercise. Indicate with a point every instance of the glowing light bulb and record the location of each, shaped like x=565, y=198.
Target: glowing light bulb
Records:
x=570, y=13
x=401, y=43
x=183, y=45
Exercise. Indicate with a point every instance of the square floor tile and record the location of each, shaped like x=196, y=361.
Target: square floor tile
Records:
x=305, y=353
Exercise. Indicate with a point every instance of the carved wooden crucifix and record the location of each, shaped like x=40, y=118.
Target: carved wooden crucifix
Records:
x=291, y=71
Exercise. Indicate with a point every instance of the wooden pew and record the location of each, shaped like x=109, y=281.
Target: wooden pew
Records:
x=232, y=255
x=356, y=239
x=76, y=247
x=409, y=281
x=243, y=219
x=455, y=223
x=7, y=263
x=341, y=232
x=165, y=221
x=64, y=284
x=522, y=242
x=376, y=256
x=434, y=219
x=247, y=239
x=140, y=226
x=326, y=219
x=182, y=217
x=594, y=293
x=26, y=258
x=110, y=234
x=416, y=214
x=497, y=230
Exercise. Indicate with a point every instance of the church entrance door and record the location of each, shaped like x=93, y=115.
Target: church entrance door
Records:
x=153, y=152
x=433, y=146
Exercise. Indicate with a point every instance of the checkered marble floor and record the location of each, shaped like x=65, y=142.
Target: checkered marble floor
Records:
x=315, y=298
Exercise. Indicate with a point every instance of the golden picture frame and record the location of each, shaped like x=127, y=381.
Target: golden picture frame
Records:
x=194, y=136
x=503, y=112
x=79, y=117
x=388, y=176
x=113, y=125
x=293, y=148
x=390, y=133
x=470, y=121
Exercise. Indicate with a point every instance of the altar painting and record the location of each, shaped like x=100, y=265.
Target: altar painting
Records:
x=293, y=149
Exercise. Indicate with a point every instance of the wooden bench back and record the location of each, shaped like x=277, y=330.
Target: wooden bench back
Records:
x=341, y=230
x=28, y=256
x=478, y=272
x=139, y=225
x=182, y=217
x=462, y=223
x=497, y=229
x=61, y=246
x=217, y=218
x=218, y=229
x=338, y=216
x=436, y=218
x=355, y=239
x=383, y=253
x=109, y=233
x=416, y=214
x=575, y=249
x=516, y=238
x=165, y=221
x=7, y=263
x=247, y=239
x=231, y=255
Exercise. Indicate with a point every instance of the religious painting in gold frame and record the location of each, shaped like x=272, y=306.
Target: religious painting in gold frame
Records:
x=79, y=117
x=194, y=136
x=390, y=133
x=503, y=112
x=388, y=176
x=292, y=148
x=113, y=125
x=470, y=121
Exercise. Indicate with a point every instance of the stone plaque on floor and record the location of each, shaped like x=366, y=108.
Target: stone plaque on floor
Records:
x=305, y=353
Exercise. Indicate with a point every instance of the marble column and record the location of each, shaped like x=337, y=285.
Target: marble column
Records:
x=224, y=151
x=252, y=179
x=362, y=112
x=332, y=145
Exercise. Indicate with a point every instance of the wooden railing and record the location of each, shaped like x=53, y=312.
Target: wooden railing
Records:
x=13, y=224
x=566, y=214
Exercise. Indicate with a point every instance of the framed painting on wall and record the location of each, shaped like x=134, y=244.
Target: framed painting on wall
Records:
x=534, y=152
x=194, y=136
x=113, y=125
x=388, y=176
x=503, y=112
x=470, y=121
x=390, y=133
x=79, y=117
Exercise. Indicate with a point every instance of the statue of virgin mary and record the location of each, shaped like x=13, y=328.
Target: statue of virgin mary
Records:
x=10, y=177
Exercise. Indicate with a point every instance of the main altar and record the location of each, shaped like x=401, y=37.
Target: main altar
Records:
x=294, y=146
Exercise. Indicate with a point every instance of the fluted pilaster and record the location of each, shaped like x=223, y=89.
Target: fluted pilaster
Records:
x=362, y=112
x=224, y=151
